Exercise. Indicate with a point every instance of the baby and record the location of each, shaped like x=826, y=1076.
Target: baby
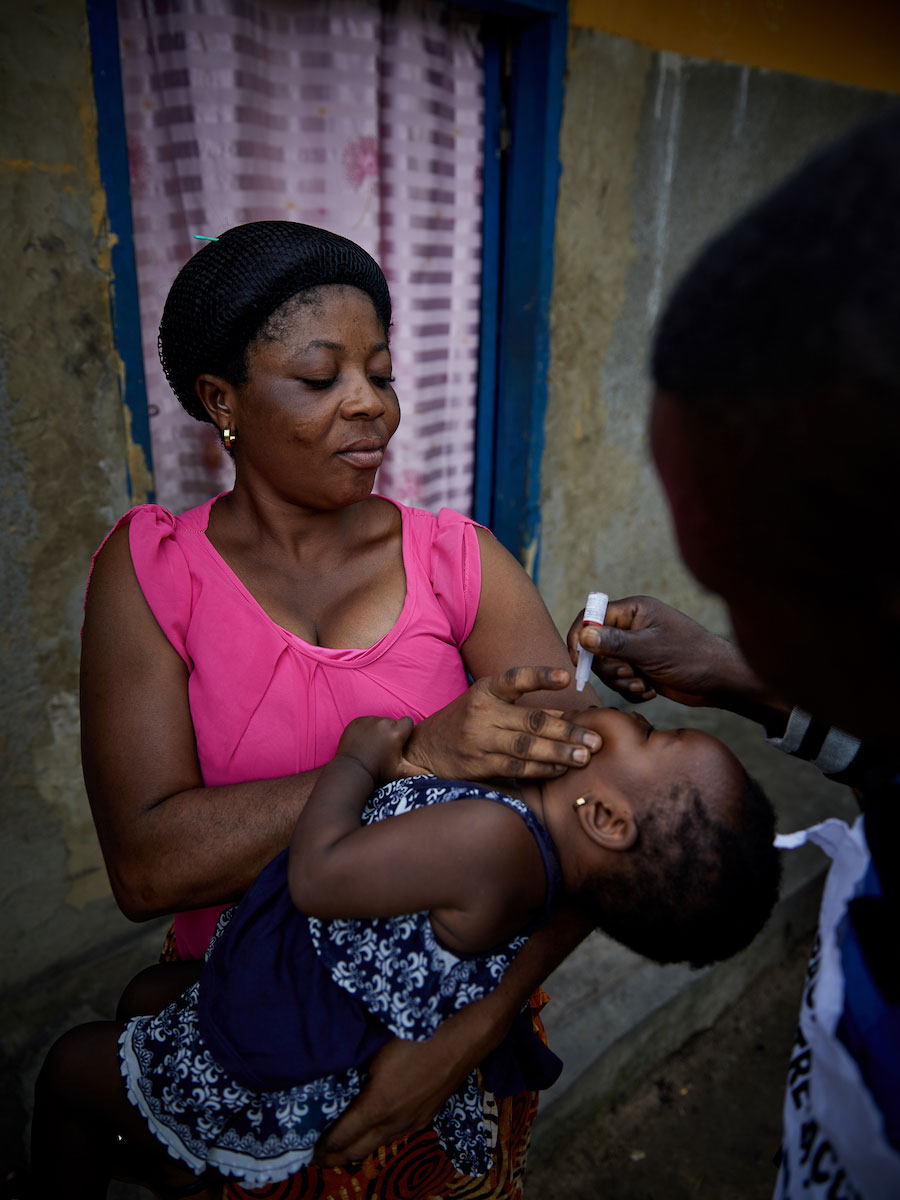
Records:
x=369, y=928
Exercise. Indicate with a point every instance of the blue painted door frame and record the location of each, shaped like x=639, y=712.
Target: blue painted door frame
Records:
x=525, y=50
x=112, y=152
x=525, y=45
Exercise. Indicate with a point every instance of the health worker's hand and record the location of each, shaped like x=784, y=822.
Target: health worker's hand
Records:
x=377, y=743
x=484, y=734
x=646, y=647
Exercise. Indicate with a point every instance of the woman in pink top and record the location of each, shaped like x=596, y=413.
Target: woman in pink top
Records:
x=225, y=650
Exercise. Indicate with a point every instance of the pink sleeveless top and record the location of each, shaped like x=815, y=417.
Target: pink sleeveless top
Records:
x=264, y=702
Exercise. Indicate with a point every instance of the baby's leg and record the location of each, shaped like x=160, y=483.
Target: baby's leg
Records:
x=155, y=988
x=80, y=1107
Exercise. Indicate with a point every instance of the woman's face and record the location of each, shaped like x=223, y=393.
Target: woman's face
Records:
x=318, y=408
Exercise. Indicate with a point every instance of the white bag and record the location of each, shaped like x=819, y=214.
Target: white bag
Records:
x=834, y=1142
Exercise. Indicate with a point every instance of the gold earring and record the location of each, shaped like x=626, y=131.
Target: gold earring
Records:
x=579, y=803
x=229, y=437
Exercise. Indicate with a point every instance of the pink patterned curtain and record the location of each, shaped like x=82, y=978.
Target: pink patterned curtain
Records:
x=362, y=117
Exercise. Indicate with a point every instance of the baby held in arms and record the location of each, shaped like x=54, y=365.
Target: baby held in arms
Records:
x=400, y=901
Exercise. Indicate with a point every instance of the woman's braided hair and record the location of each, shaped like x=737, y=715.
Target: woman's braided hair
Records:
x=224, y=295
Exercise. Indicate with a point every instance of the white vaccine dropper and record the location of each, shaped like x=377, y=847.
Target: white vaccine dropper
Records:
x=594, y=614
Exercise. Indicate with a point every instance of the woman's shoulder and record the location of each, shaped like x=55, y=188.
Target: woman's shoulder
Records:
x=442, y=550
x=426, y=519
x=152, y=544
x=445, y=540
x=145, y=527
x=149, y=516
x=115, y=549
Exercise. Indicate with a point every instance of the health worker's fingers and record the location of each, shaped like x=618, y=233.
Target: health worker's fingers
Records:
x=612, y=642
x=572, y=639
x=614, y=650
x=670, y=653
x=630, y=614
x=622, y=674
x=622, y=678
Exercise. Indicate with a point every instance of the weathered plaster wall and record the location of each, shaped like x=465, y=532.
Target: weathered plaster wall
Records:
x=62, y=467
x=658, y=152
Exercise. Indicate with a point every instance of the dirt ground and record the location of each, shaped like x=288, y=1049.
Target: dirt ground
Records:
x=706, y=1123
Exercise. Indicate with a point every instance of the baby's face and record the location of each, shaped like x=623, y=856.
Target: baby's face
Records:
x=642, y=762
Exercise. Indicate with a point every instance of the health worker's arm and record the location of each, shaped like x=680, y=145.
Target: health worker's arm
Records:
x=647, y=648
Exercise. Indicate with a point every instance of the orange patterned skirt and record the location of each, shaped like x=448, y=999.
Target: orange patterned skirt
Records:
x=416, y=1167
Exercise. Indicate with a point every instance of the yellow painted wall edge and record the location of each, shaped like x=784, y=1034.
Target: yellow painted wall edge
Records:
x=852, y=43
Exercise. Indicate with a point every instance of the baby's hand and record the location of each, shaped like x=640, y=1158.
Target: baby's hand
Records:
x=377, y=743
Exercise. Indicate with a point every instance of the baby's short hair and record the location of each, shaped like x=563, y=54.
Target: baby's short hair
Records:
x=694, y=888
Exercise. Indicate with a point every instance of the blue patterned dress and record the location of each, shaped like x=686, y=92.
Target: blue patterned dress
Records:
x=245, y=1070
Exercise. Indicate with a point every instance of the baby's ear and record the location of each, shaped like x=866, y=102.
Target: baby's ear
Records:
x=607, y=819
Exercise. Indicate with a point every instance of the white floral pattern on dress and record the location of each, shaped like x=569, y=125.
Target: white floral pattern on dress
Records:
x=394, y=966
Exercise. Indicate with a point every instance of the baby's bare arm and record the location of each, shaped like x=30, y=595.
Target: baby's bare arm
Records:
x=473, y=864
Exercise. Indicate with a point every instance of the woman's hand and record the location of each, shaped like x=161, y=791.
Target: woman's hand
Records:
x=484, y=734
x=377, y=743
x=409, y=1081
x=646, y=647
x=407, y=1084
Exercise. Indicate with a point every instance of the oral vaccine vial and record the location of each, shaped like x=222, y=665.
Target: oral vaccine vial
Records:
x=594, y=614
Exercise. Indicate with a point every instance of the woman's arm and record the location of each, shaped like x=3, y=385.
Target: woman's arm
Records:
x=514, y=626
x=499, y=726
x=169, y=843
x=409, y=1081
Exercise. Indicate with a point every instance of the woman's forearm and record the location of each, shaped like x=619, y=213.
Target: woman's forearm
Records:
x=539, y=958
x=409, y=1081
x=201, y=846
x=481, y=1027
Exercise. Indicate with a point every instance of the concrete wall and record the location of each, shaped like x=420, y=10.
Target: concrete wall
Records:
x=62, y=474
x=658, y=152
